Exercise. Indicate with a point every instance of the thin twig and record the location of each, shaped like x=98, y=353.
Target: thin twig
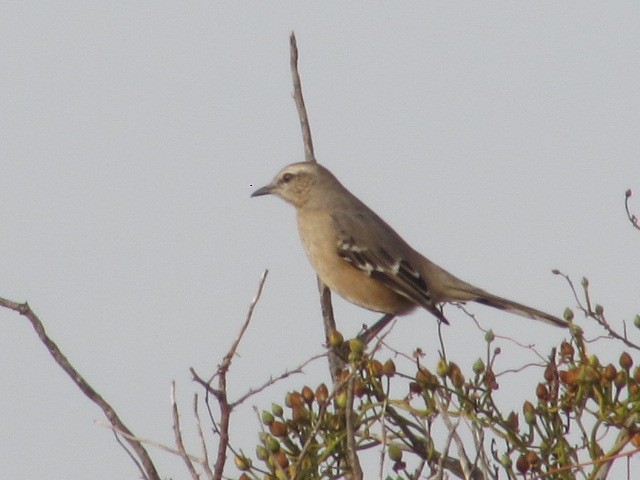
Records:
x=147, y=441
x=453, y=435
x=418, y=445
x=604, y=323
x=253, y=391
x=320, y=418
x=443, y=456
x=225, y=408
x=529, y=346
x=383, y=426
x=632, y=218
x=519, y=369
x=601, y=470
x=226, y=361
x=182, y=452
x=299, y=99
x=314, y=431
x=148, y=470
x=203, y=462
x=443, y=351
x=481, y=453
x=203, y=443
x=273, y=380
x=124, y=446
x=220, y=393
x=352, y=454
x=417, y=472
x=589, y=311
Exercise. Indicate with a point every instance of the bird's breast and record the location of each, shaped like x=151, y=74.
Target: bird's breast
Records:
x=320, y=242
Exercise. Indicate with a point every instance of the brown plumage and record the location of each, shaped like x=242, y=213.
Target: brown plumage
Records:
x=361, y=258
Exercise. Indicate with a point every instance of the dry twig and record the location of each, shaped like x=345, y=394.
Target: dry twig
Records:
x=596, y=313
x=145, y=464
x=178, y=435
x=352, y=453
x=220, y=393
x=632, y=218
x=203, y=443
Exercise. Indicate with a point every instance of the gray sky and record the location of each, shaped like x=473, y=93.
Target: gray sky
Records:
x=497, y=139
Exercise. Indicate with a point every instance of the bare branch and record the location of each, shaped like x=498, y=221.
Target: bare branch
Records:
x=297, y=96
x=146, y=441
x=352, y=454
x=596, y=314
x=226, y=361
x=273, y=380
x=601, y=470
x=148, y=471
x=221, y=396
x=473, y=317
x=178, y=435
x=453, y=435
x=335, y=363
x=383, y=437
x=203, y=443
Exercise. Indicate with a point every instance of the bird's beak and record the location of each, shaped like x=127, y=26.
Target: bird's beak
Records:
x=266, y=190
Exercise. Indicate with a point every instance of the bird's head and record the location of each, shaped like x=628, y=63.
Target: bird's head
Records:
x=296, y=183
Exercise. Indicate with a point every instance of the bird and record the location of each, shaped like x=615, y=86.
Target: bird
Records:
x=361, y=258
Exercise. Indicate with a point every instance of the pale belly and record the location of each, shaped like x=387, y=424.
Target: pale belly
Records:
x=346, y=280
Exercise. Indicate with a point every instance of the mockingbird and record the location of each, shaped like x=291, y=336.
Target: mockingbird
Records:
x=361, y=258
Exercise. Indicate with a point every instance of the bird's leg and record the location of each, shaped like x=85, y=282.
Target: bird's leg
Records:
x=372, y=331
x=342, y=351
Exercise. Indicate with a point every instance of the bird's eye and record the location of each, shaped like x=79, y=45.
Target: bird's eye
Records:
x=286, y=178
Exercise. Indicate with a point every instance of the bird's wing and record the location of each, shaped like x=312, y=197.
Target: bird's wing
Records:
x=367, y=246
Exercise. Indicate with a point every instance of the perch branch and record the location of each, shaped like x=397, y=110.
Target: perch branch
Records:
x=335, y=364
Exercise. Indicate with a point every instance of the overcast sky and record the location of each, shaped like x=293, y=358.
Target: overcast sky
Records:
x=497, y=139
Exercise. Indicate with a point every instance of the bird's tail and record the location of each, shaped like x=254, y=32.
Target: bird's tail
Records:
x=458, y=290
x=519, y=309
